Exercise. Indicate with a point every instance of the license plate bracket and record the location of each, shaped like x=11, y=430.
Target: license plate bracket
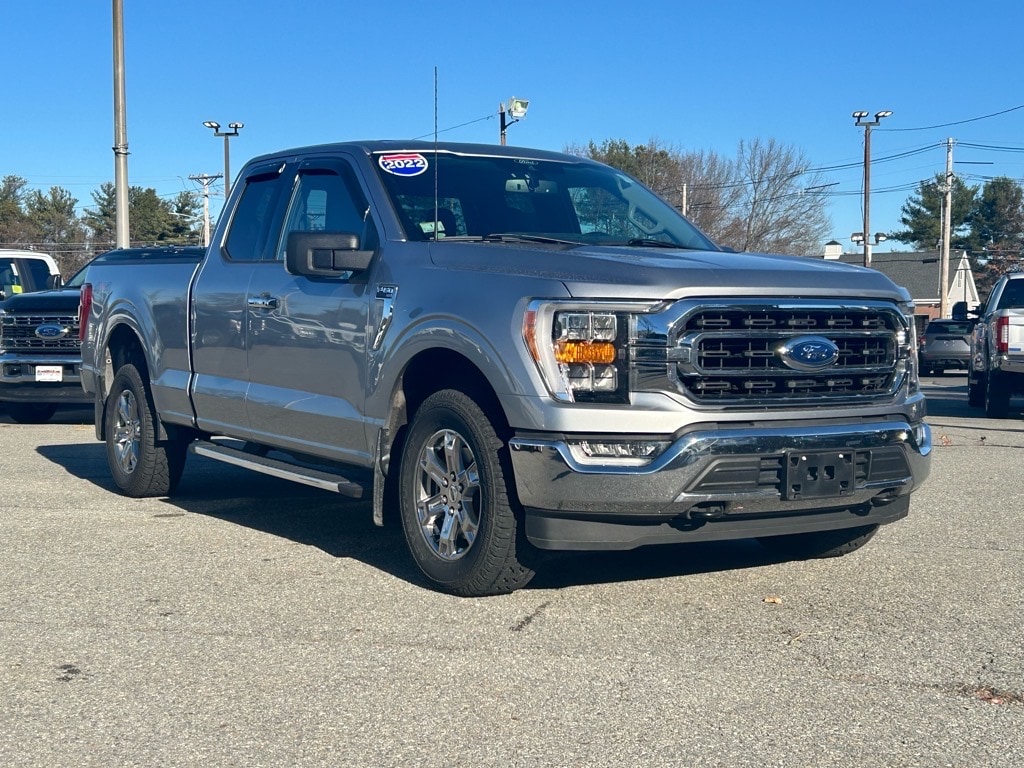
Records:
x=818, y=474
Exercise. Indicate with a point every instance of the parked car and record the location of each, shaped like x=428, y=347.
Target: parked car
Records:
x=945, y=344
x=26, y=271
x=507, y=349
x=997, y=348
x=40, y=348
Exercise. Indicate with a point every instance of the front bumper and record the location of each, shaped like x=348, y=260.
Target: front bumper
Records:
x=19, y=381
x=715, y=484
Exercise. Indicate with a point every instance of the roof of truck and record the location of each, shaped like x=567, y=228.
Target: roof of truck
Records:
x=14, y=253
x=397, y=145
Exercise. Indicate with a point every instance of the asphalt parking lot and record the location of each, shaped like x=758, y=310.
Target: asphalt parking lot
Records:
x=251, y=622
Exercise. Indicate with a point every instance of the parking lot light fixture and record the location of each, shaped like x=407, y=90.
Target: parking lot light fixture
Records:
x=233, y=129
x=512, y=113
x=860, y=116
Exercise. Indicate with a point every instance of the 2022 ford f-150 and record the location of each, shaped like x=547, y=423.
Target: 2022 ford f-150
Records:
x=507, y=347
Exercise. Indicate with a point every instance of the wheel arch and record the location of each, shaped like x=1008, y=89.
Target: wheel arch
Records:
x=123, y=345
x=428, y=371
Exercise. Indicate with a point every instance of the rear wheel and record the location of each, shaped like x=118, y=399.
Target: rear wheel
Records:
x=997, y=396
x=31, y=413
x=976, y=391
x=819, y=543
x=139, y=463
x=457, y=508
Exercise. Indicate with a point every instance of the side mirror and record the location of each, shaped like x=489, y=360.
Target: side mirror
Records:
x=960, y=311
x=325, y=254
x=54, y=281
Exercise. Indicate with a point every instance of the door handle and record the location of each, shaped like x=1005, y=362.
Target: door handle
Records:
x=263, y=301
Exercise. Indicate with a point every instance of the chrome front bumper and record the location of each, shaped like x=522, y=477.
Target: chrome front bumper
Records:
x=18, y=382
x=716, y=484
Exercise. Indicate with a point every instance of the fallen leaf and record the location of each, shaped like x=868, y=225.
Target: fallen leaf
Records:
x=773, y=600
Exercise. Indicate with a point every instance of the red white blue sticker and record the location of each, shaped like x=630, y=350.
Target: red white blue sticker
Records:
x=406, y=164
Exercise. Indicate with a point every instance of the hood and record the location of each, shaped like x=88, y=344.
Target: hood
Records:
x=62, y=300
x=659, y=273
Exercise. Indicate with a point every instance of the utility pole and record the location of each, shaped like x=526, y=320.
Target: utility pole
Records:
x=206, y=180
x=120, y=132
x=947, y=210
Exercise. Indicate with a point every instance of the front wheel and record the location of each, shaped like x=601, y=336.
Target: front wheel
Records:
x=457, y=508
x=801, y=546
x=139, y=463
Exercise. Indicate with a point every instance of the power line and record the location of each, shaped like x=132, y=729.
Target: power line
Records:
x=454, y=127
x=958, y=122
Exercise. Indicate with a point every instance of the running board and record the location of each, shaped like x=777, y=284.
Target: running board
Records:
x=317, y=478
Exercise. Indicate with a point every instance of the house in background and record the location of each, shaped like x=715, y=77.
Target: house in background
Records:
x=918, y=272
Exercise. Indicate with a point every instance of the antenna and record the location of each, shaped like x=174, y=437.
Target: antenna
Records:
x=436, y=225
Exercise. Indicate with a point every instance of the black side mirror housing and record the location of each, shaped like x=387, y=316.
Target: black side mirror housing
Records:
x=54, y=281
x=325, y=254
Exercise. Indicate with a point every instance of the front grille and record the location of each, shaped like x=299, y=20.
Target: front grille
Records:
x=18, y=334
x=731, y=354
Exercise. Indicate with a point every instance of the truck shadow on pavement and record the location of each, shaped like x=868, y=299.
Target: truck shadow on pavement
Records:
x=343, y=527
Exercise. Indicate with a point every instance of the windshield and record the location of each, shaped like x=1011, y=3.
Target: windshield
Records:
x=484, y=197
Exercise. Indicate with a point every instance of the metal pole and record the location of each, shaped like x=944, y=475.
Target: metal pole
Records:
x=120, y=133
x=867, y=195
x=947, y=204
x=227, y=167
x=501, y=113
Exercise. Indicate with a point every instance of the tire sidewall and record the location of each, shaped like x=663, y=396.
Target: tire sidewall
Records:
x=997, y=397
x=439, y=412
x=136, y=482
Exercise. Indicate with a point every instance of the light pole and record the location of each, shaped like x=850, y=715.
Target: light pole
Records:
x=516, y=110
x=233, y=131
x=121, y=210
x=860, y=116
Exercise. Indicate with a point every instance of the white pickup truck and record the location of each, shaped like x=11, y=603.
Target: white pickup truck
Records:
x=997, y=348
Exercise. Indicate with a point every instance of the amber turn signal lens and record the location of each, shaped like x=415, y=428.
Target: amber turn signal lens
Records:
x=584, y=352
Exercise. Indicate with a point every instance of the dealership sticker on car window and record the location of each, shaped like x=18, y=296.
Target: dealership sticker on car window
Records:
x=404, y=164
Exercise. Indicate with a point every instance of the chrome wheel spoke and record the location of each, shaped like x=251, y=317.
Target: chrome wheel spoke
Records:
x=127, y=431
x=448, y=495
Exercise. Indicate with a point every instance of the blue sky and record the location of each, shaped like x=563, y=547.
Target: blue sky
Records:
x=693, y=75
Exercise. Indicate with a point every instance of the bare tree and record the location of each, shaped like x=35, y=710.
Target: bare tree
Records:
x=780, y=209
x=763, y=200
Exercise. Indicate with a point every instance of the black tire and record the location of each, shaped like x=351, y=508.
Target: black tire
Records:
x=458, y=512
x=976, y=391
x=139, y=463
x=835, y=543
x=997, y=396
x=31, y=413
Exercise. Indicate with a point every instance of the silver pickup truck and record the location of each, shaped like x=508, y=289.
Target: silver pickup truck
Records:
x=510, y=350
x=996, y=370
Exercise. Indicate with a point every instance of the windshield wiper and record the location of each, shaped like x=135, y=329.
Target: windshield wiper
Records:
x=644, y=242
x=525, y=238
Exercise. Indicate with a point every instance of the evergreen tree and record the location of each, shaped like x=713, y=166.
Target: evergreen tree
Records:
x=922, y=216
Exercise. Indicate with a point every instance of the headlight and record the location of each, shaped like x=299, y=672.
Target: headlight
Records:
x=581, y=350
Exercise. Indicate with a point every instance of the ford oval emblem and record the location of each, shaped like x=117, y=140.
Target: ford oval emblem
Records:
x=808, y=353
x=51, y=331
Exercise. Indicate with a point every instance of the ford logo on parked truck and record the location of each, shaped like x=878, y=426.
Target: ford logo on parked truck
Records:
x=808, y=353
x=51, y=331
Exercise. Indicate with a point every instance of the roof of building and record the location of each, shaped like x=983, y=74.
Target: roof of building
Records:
x=917, y=271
